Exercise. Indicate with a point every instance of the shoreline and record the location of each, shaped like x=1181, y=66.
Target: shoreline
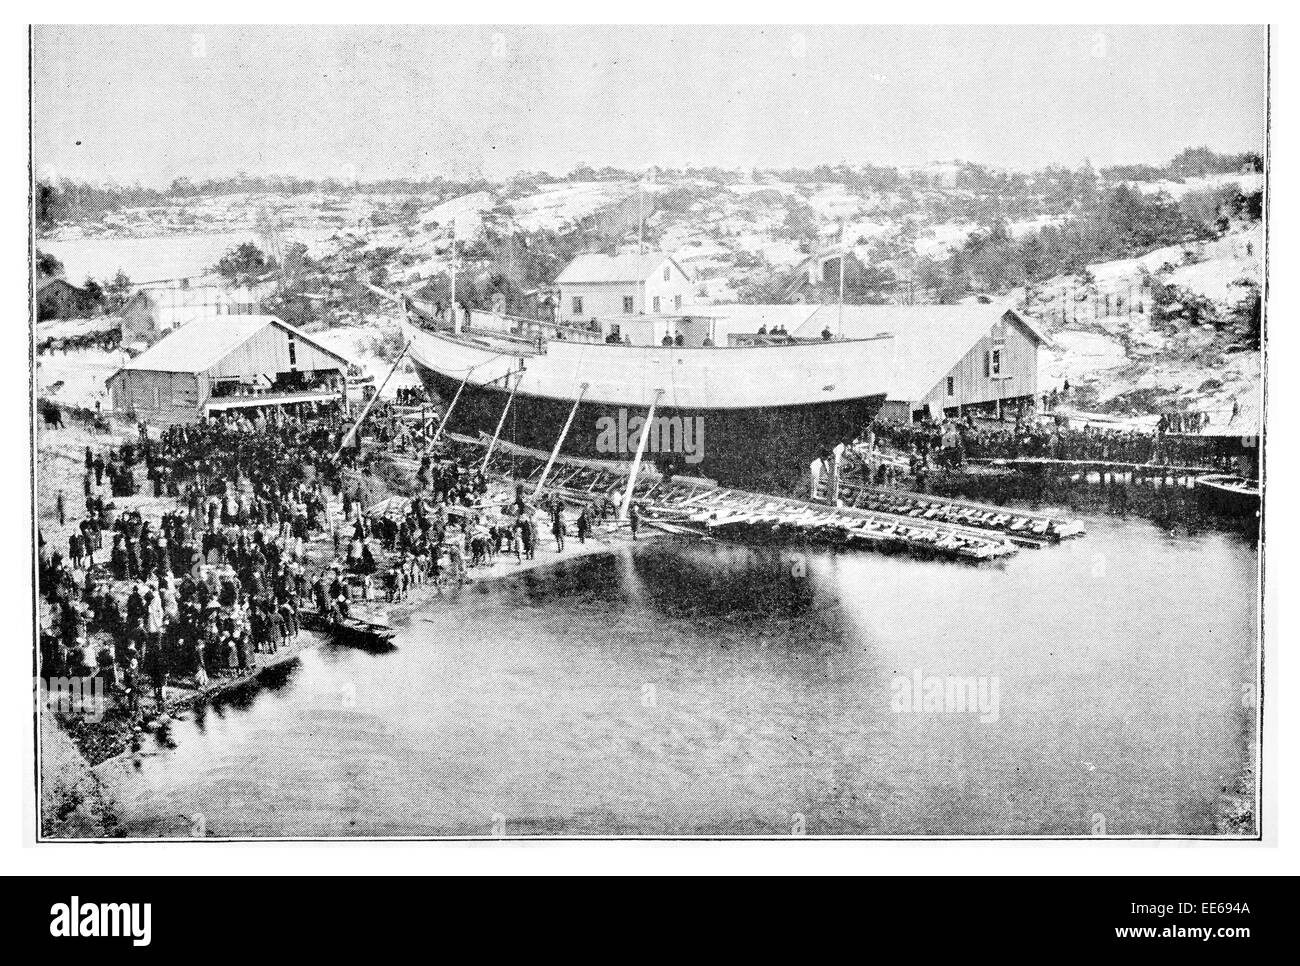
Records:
x=399, y=613
x=82, y=795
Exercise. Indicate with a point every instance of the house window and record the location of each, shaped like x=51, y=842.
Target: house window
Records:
x=951, y=385
x=577, y=305
x=997, y=362
x=614, y=333
x=627, y=304
x=293, y=352
x=667, y=273
x=677, y=301
x=656, y=305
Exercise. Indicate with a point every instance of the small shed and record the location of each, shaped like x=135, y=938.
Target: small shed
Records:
x=228, y=362
x=57, y=298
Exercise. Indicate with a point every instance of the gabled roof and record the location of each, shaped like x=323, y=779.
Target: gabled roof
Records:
x=928, y=339
x=631, y=267
x=174, y=307
x=45, y=283
x=204, y=342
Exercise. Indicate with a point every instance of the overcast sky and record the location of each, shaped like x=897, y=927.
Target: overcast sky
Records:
x=150, y=104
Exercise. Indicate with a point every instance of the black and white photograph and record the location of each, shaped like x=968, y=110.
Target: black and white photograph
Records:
x=630, y=431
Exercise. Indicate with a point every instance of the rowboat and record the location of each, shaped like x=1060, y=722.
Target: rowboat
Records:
x=1229, y=495
x=351, y=631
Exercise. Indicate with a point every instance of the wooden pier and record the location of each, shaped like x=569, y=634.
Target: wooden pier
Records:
x=1135, y=471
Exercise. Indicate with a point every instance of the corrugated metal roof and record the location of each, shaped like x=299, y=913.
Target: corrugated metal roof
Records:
x=204, y=342
x=594, y=268
x=928, y=339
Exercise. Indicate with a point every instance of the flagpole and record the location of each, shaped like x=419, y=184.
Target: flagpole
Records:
x=841, y=309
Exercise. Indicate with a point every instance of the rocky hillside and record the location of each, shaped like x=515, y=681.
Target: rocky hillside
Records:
x=1166, y=326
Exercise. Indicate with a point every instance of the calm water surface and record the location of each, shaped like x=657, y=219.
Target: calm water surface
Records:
x=686, y=688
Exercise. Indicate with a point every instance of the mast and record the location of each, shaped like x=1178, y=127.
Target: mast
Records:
x=841, y=308
x=455, y=316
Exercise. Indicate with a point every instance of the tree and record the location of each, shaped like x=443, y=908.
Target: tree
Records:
x=94, y=293
x=800, y=221
x=1250, y=207
x=117, y=292
x=48, y=206
x=47, y=264
x=243, y=264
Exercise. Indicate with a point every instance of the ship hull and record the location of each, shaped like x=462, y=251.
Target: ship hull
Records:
x=739, y=446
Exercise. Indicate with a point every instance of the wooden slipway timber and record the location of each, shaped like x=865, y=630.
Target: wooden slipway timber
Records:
x=741, y=515
x=701, y=508
x=1021, y=527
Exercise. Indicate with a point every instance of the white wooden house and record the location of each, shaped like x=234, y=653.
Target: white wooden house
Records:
x=606, y=286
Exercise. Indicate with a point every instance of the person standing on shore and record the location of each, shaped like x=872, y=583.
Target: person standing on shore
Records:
x=634, y=518
x=557, y=524
x=528, y=535
x=516, y=539
x=60, y=508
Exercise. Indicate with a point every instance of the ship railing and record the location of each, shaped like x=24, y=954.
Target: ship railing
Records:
x=532, y=328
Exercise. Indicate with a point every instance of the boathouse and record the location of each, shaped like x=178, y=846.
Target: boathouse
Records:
x=946, y=359
x=224, y=362
x=601, y=286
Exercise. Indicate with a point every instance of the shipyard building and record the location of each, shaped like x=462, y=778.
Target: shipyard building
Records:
x=223, y=362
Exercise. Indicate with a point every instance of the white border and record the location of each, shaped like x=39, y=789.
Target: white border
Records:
x=19, y=855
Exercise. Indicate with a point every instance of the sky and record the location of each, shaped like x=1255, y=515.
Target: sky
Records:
x=150, y=104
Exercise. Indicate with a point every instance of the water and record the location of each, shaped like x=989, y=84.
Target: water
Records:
x=159, y=257
x=144, y=259
x=686, y=688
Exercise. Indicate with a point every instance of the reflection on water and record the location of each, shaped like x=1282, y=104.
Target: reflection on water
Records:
x=715, y=689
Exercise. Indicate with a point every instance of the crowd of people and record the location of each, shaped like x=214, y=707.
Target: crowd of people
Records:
x=950, y=442
x=214, y=582
x=100, y=340
x=411, y=396
x=225, y=573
